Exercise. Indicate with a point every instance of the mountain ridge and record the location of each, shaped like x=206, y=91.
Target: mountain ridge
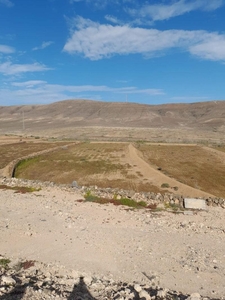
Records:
x=76, y=113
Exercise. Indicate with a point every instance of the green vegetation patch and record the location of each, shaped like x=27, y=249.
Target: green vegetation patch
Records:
x=82, y=161
x=10, y=152
x=173, y=206
x=4, y=263
x=19, y=189
x=123, y=201
x=165, y=185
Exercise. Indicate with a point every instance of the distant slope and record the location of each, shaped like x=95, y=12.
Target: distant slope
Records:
x=75, y=113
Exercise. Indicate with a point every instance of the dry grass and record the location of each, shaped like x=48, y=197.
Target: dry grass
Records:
x=89, y=164
x=191, y=165
x=19, y=189
x=220, y=148
x=81, y=162
x=9, y=152
x=103, y=164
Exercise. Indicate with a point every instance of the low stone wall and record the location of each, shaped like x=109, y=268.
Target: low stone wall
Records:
x=149, y=197
x=110, y=193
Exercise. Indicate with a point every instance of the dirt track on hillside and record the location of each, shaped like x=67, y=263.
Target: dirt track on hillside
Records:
x=134, y=157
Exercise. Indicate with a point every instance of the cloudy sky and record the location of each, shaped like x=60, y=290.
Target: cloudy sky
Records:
x=153, y=51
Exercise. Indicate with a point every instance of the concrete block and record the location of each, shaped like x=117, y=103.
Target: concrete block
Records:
x=193, y=203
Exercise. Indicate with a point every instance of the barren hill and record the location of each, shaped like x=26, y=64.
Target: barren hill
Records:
x=204, y=116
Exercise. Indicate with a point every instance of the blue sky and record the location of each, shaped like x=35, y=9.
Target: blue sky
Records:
x=151, y=52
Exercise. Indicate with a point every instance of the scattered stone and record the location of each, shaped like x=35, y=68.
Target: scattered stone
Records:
x=109, y=193
x=194, y=296
x=162, y=294
x=144, y=295
x=7, y=280
x=74, y=184
x=137, y=288
x=54, y=282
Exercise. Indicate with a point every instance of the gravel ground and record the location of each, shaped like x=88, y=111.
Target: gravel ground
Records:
x=182, y=252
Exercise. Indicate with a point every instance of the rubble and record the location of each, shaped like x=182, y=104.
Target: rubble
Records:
x=41, y=281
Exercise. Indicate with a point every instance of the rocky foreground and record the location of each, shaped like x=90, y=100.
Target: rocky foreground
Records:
x=55, y=246
x=34, y=280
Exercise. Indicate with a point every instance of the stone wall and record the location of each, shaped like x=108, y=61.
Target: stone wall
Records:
x=110, y=193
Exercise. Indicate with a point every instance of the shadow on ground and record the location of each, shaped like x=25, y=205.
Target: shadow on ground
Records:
x=80, y=291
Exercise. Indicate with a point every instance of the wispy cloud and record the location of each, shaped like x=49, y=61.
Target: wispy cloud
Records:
x=97, y=3
x=43, y=46
x=29, y=84
x=113, y=19
x=6, y=49
x=101, y=4
x=86, y=88
x=7, y=3
x=97, y=41
x=143, y=12
x=160, y=12
x=38, y=91
x=8, y=68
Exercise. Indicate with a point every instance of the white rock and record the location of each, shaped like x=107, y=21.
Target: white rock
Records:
x=137, y=288
x=8, y=280
x=161, y=294
x=144, y=295
x=88, y=280
x=194, y=296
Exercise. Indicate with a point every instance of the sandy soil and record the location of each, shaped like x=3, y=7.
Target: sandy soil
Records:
x=185, y=251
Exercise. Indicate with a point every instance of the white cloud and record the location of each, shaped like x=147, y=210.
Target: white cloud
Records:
x=96, y=41
x=101, y=4
x=6, y=49
x=43, y=46
x=112, y=19
x=103, y=88
x=211, y=48
x=8, y=3
x=97, y=3
x=160, y=12
x=28, y=84
x=8, y=68
x=38, y=91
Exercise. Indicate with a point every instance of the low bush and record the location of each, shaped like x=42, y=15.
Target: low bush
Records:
x=165, y=185
x=4, y=263
x=123, y=201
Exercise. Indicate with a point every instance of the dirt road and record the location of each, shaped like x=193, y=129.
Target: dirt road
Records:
x=156, y=177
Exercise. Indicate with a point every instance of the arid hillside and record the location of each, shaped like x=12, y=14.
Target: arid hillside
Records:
x=69, y=114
